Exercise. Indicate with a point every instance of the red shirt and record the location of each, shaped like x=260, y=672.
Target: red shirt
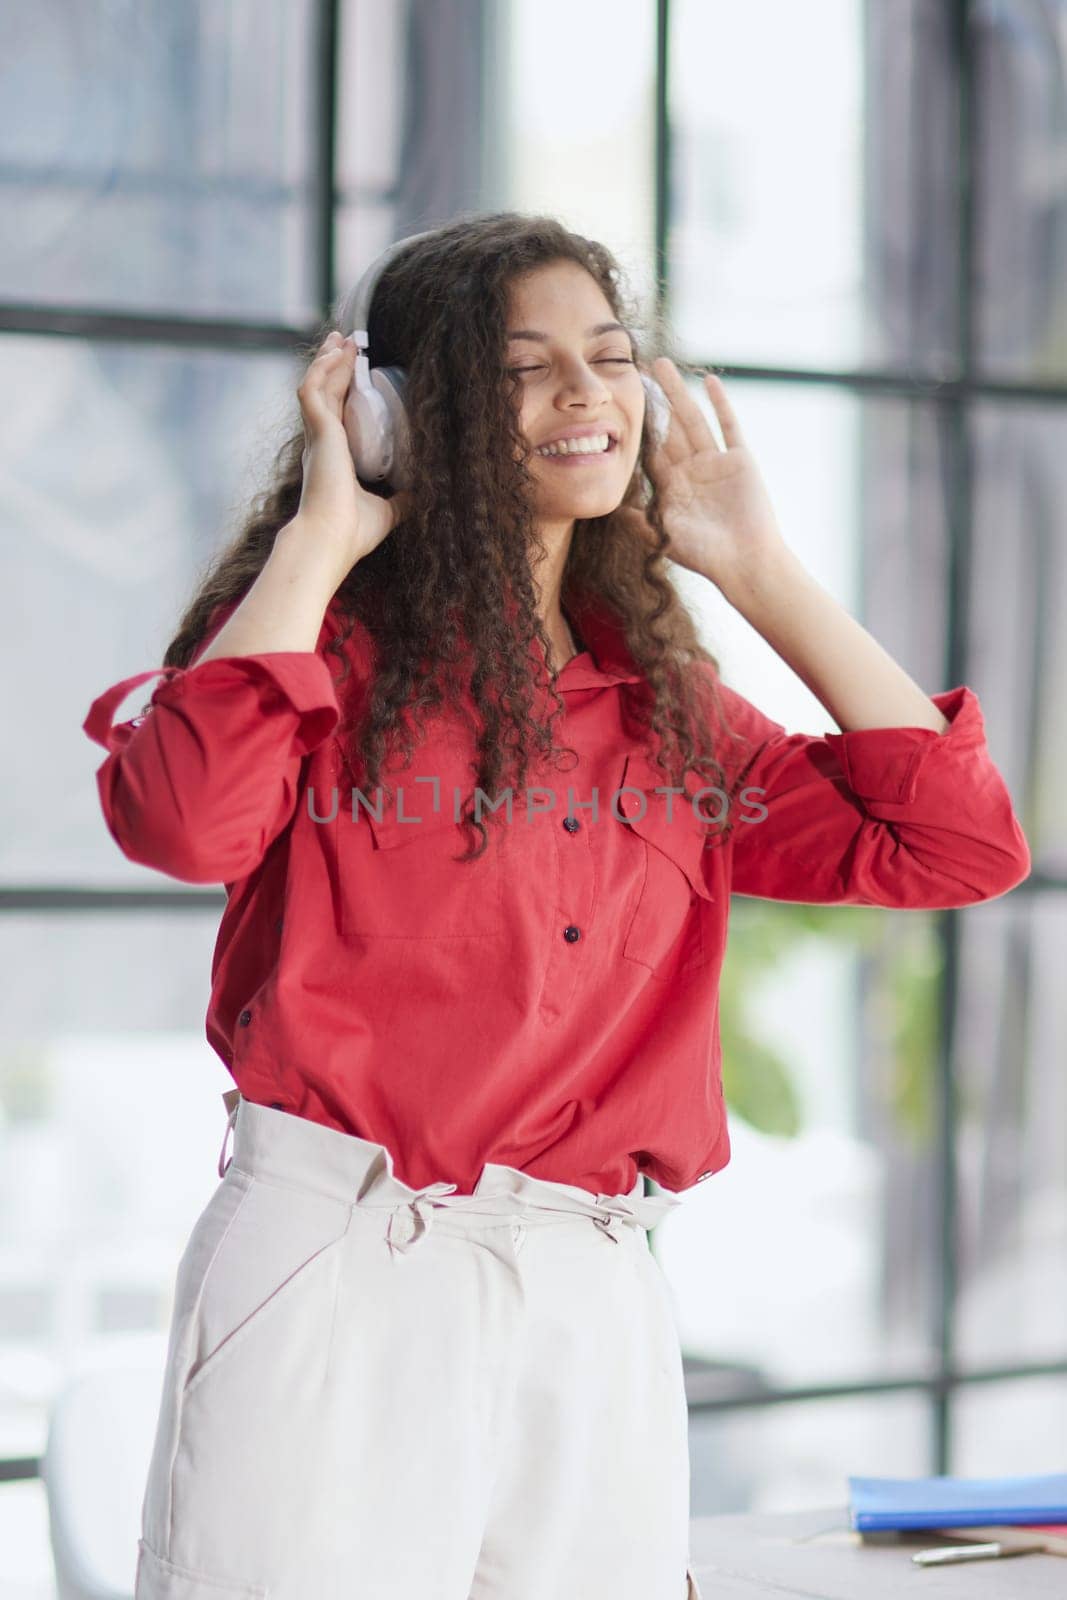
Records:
x=554, y=1006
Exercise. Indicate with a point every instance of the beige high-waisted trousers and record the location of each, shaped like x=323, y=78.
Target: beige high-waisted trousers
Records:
x=374, y=1392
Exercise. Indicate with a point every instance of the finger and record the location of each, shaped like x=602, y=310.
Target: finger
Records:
x=331, y=342
x=336, y=360
x=323, y=363
x=675, y=447
x=731, y=428
x=329, y=360
x=694, y=432
x=326, y=360
x=400, y=505
x=330, y=374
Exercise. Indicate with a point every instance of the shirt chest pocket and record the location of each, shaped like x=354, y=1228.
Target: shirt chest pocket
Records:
x=670, y=931
x=398, y=873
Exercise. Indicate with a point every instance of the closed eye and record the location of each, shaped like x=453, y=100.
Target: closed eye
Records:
x=605, y=361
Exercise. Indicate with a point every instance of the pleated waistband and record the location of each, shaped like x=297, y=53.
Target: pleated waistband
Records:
x=280, y=1147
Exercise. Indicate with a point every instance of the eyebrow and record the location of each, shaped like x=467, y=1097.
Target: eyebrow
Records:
x=590, y=333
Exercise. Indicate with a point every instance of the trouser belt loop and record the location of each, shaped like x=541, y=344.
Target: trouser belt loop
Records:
x=231, y=1100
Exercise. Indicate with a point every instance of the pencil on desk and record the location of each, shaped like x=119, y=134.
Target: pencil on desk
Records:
x=970, y=1552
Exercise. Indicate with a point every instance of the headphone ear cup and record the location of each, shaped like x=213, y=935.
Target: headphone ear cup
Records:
x=376, y=425
x=391, y=384
x=658, y=408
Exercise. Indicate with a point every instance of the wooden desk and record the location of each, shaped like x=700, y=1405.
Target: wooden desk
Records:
x=814, y=1555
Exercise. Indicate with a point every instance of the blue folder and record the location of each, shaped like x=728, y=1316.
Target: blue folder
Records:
x=956, y=1502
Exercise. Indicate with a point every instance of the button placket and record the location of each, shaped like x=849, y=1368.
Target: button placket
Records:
x=569, y=885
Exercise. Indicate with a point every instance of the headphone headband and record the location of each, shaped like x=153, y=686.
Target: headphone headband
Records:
x=353, y=316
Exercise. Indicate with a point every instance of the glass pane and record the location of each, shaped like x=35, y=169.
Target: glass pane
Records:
x=902, y=512
x=812, y=184
x=846, y=1197
x=806, y=440
x=370, y=109
x=101, y=1037
x=808, y=1258
x=799, y=1457
x=419, y=127
x=1005, y=1429
x=1010, y=1049
x=573, y=88
x=858, y=487
x=1017, y=603
x=1020, y=129
x=160, y=158
x=361, y=232
x=125, y=467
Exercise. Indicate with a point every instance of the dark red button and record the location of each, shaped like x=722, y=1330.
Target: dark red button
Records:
x=245, y=1018
x=571, y=933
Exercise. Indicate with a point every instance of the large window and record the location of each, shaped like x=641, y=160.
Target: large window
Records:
x=859, y=216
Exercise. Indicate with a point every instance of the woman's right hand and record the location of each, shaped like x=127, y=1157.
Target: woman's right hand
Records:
x=334, y=506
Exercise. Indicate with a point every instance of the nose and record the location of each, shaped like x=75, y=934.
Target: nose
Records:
x=586, y=383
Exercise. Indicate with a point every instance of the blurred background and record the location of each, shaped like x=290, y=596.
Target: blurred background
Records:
x=857, y=210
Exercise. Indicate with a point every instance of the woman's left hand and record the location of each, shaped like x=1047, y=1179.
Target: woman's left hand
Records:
x=715, y=506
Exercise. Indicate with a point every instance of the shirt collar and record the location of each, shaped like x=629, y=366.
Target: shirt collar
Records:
x=605, y=660
x=608, y=659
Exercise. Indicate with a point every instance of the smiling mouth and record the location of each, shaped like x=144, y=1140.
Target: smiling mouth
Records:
x=579, y=455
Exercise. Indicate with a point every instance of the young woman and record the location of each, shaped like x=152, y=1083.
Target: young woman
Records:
x=419, y=1345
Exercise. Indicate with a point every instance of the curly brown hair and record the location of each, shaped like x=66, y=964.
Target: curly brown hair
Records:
x=454, y=576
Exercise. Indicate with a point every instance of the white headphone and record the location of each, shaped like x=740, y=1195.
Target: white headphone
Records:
x=375, y=417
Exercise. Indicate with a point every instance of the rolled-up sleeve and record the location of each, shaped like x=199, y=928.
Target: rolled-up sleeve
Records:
x=202, y=784
x=903, y=817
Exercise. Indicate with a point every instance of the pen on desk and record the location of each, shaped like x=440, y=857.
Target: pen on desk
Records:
x=970, y=1552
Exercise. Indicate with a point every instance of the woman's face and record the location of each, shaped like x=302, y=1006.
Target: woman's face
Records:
x=575, y=380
